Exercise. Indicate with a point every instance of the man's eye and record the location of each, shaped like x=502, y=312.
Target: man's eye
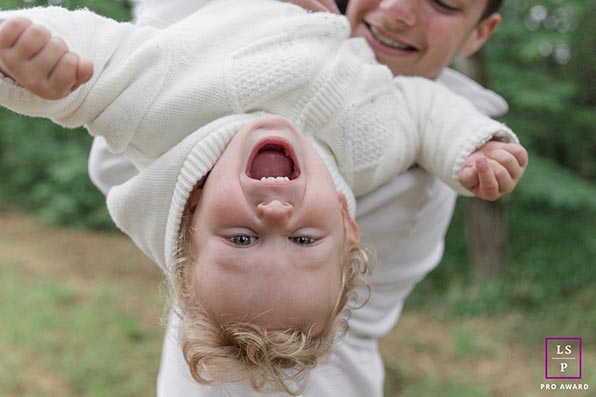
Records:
x=303, y=240
x=243, y=240
x=445, y=6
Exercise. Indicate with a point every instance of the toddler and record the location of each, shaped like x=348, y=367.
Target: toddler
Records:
x=249, y=214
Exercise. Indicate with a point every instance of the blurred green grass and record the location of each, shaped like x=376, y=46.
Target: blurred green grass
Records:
x=550, y=276
x=59, y=341
x=80, y=317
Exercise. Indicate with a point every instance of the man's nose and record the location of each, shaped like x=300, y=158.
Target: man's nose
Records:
x=275, y=212
x=401, y=11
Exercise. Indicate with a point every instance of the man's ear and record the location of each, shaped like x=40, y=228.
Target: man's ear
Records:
x=352, y=232
x=481, y=33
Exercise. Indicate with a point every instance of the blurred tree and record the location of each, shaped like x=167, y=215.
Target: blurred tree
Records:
x=543, y=60
x=486, y=222
x=582, y=71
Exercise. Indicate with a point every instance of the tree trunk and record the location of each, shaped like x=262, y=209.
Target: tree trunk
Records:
x=486, y=222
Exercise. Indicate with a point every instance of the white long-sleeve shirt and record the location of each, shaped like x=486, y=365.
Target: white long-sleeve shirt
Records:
x=154, y=87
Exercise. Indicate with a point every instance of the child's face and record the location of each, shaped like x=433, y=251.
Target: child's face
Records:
x=421, y=37
x=270, y=251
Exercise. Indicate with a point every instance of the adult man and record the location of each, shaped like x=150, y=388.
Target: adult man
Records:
x=405, y=221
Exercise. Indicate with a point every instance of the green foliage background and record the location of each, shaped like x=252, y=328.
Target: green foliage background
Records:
x=542, y=60
x=43, y=167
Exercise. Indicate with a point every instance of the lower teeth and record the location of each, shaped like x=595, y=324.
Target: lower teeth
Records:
x=275, y=179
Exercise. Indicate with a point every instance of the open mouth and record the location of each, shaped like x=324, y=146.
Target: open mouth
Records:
x=274, y=161
x=386, y=41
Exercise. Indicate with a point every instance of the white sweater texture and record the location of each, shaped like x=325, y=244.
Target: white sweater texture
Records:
x=156, y=91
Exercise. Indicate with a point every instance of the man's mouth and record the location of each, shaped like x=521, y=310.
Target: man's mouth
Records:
x=273, y=161
x=389, y=42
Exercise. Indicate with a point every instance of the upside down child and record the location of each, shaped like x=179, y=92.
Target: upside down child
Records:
x=250, y=150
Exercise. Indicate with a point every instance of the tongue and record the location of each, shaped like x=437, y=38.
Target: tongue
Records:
x=271, y=163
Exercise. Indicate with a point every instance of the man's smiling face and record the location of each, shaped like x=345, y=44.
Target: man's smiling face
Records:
x=421, y=37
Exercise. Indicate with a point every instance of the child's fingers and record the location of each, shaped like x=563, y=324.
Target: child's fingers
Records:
x=509, y=162
x=84, y=72
x=68, y=75
x=498, y=165
x=520, y=154
x=24, y=41
x=47, y=59
x=11, y=29
x=30, y=42
x=64, y=77
x=488, y=186
x=468, y=177
x=505, y=181
x=36, y=73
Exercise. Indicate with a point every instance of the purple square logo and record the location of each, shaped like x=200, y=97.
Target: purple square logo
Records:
x=563, y=358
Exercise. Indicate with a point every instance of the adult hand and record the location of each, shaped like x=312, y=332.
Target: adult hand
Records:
x=38, y=61
x=494, y=169
x=316, y=5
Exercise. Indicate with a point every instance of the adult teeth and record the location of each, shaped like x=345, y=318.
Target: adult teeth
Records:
x=275, y=179
x=387, y=41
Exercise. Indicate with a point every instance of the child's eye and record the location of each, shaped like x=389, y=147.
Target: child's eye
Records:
x=303, y=240
x=243, y=240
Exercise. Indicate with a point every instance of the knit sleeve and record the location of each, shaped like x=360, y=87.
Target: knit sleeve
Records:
x=406, y=121
x=447, y=128
x=127, y=74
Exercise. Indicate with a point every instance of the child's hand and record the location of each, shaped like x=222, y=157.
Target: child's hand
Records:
x=494, y=169
x=41, y=63
x=316, y=5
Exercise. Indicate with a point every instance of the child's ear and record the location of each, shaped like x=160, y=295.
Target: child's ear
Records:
x=193, y=200
x=195, y=196
x=352, y=232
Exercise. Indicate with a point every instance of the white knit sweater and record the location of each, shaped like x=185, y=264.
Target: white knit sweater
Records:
x=152, y=88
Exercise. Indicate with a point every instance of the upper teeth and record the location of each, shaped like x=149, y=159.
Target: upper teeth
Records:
x=275, y=179
x=387, y=41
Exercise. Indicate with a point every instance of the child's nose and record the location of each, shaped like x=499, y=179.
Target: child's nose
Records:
x=402, y=11
x=275, y=212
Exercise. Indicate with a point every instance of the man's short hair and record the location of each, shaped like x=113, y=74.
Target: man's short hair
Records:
x=492, y=6
x=342, y=5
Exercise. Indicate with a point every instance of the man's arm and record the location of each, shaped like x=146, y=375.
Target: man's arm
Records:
x=107, y=169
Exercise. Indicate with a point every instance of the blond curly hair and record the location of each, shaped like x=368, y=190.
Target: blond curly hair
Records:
x=270, y=360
